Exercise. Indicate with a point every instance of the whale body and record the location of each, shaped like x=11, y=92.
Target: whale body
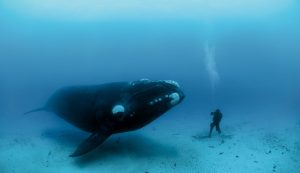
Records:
x=112, y=108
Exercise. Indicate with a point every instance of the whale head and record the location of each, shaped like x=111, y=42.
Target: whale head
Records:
x=148, y=100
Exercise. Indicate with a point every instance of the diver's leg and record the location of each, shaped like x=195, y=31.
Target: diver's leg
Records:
x=211, y=129
x=218, y=128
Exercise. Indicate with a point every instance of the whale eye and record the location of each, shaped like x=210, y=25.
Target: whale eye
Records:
x=174, y=98
x=118, y=109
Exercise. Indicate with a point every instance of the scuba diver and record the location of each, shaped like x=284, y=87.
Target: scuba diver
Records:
x=217, y=116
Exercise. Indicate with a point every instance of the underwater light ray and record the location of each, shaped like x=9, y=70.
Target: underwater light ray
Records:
x=103, y=9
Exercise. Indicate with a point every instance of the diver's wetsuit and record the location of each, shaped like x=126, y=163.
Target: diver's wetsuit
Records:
x=217, y=116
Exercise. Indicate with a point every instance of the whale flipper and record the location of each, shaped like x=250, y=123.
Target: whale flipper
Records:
x=36, y=110
x=92, y=142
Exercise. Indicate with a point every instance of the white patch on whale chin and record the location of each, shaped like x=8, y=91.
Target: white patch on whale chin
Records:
x=174, y=98
x=118, y=109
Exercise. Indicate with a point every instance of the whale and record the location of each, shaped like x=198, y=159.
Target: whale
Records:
x=110, y=108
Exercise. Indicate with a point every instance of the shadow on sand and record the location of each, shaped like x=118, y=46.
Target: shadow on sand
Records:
x=130, y=145
x=204, y=136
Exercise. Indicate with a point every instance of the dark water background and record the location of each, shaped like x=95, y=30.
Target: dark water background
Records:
x=257, y=59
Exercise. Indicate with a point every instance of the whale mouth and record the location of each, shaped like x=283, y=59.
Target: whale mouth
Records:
x=157, y=92
x=172, y=98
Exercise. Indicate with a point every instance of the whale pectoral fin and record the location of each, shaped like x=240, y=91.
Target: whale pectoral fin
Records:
x=91, y=142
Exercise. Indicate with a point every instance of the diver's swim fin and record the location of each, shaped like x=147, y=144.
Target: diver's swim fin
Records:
x=91, y=142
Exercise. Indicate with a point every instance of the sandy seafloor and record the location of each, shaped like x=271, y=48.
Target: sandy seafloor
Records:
x=176, y=142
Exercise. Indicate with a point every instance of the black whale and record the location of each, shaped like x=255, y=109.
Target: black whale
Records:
x=112, y=108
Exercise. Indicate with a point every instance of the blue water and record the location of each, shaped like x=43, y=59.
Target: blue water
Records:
x=243, y=58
